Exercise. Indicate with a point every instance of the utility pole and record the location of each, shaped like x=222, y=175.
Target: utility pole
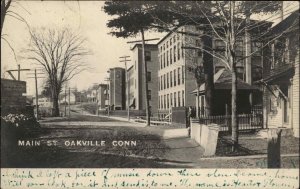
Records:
x=65, y=101
x=108, y=94
x=127, y=80
x=17, y=70
x=36, y=95
x=36, y=91
x=145, y=69
x=69, y=102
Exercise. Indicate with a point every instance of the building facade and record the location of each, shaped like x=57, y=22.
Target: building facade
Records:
x=137, y=78
x=281, y=77
x=102, y=96
x=181, y=54
x=117, y=88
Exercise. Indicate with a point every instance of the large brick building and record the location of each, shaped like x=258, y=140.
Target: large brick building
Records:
x=177, y=65
x=137, y=78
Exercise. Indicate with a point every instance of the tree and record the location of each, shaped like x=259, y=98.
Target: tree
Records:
x=4, y=10
x=131, y=19
x=59, y=53
x=227, y=21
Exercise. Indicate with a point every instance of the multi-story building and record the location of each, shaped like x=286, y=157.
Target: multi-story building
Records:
x=174, y=81
x=130, y=86
x=102, y=96
x=281, y=76
x=176, y=64
x=117, y=88
x=137, y=78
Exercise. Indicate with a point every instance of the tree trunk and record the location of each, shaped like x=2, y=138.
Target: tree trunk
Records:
x=55, y=112
x=234, y=121
x=208, y=75
x=146, y=79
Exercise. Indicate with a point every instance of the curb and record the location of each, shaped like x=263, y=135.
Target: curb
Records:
x=246, y=157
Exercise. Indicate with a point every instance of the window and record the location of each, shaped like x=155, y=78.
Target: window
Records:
x=178, y=51
x=149, y=94
x=167, y=58
x=182, y=97
x=183, y=74
x=164, y=60
x=178, y=74
x=179, y=98
x=239, y=48
x=159, y=102
x=171, y=58
x=148, y=55
x=164, y=101
x=167, y=44
x=198, y=43
x=135, y=83
x=174, y=53
x=174, y=77
x=174, y=38
x=167, y=101
x=170, y=41
x=167, y=80
x=161, y=61
x=240, y=72
x=164, y=81
x=256, y=48
x=171, y=99
x=149, y=76
x=171, y=79
x=161, y=82
x=219, y=45
x=164, y=47
x=158, y=83
x=174, y=99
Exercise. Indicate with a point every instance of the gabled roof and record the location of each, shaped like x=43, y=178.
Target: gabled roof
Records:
x=222, y=81
x=284, y=25
x=279, y=72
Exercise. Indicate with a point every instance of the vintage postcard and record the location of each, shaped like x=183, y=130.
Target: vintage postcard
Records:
x=149, y=94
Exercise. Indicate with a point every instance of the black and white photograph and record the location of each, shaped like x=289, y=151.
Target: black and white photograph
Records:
x=149, y=85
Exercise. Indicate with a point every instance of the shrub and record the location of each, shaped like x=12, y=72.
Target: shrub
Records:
x=14, y=126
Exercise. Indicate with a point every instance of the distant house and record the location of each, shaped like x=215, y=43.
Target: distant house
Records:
x=64, y=98
x=281, y=76
x=44, y=102
x=222, y=94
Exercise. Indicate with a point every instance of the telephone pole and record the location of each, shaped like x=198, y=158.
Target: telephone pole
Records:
x=108, y=95
x=124, y=59
x=36, y=91
x=17, y=70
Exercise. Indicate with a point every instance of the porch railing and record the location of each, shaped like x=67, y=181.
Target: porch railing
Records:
x=245, y=121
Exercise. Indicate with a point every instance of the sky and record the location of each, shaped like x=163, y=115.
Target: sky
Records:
x=84, y=17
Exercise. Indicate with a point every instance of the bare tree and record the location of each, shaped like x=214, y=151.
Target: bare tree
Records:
x=60, y=54
x=228, y=22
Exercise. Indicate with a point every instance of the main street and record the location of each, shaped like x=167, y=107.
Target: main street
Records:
x=89, y=141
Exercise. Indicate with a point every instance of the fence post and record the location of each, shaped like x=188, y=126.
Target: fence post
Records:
x=274, y=136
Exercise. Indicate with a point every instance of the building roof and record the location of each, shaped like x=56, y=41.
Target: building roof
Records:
x=146, y=46
x=284, y=25
x=223, y=81
x=279, y=72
